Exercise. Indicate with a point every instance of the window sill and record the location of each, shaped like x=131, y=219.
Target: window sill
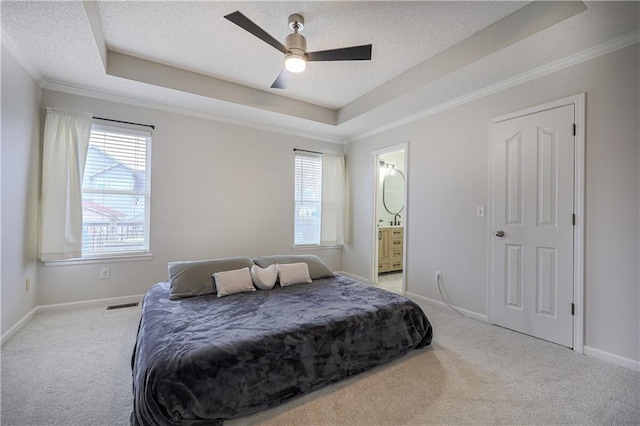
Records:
x=100, y=259
x=317, y=247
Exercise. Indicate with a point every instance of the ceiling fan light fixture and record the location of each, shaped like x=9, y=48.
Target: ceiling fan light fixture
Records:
x=295, y=63
x=295, y=48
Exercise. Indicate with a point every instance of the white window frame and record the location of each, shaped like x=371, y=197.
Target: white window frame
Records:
x=331, y=200
x=307, y=154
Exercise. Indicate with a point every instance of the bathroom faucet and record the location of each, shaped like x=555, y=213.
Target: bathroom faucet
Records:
x=396, y=218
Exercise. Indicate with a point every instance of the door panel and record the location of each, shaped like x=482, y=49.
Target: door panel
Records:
x=513, y=276
x=533, y=205
x=514, y=179
x=547, y=177
x=546, y=282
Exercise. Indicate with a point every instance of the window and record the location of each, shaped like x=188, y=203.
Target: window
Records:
x=115, y=192
x=308, y=198
x=319, y=199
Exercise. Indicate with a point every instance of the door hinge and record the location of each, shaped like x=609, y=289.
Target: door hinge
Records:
x=574, y=129
x=573, y=309
x=573, y=219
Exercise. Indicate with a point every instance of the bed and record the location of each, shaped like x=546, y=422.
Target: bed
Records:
x=206, y=359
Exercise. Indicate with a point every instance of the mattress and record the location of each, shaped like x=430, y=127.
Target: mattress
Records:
x=205, y=359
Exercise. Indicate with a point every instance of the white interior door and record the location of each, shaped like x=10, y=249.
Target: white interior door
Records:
x=532, y=245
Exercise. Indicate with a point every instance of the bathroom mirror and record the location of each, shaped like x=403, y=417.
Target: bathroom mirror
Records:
x=393, y=192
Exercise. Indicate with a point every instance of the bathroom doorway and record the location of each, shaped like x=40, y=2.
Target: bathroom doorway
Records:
x=390, y=218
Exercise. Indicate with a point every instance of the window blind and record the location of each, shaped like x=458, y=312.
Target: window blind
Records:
x=308, y=198
x=115, y=192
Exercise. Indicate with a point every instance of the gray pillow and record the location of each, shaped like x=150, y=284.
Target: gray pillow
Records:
x=194, y=278
x=317, y=268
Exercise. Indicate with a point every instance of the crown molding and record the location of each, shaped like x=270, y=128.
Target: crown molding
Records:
x=74, y=90
x=580, y=57
x=21, y=58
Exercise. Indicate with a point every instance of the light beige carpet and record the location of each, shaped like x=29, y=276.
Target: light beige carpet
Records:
x=72, y=368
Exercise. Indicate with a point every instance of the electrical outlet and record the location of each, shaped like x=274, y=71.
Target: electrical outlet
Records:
x=27, y=284
x=438, y=276
x=105, y=273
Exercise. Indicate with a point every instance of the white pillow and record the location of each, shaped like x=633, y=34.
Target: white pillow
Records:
x=235, y=281
x=293, y=273
x=264, y=278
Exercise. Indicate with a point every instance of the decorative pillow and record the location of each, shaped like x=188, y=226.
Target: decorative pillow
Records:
x=264, y=278
x=193, y=278
x=293, y=273
x=317, y=268
x=230, y=282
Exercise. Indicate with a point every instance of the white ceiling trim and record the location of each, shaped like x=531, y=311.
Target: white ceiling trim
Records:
x=138, y=69
x=22, y=59
x=91, y=9
x=145, y=71
x=511, y=29
x=601, y=49
x=522, y=23
x=594, y=52
x=59, y=87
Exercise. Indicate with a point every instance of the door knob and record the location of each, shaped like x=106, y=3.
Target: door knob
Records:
x=499, y=234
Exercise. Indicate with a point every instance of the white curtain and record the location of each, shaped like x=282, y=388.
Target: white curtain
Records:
x=333, y=199
x=65, y=145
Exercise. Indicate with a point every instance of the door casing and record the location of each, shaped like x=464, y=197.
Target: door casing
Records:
x=578, y=101
x=376, y=177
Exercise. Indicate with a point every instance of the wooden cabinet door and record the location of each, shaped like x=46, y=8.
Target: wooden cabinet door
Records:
x=383, y=250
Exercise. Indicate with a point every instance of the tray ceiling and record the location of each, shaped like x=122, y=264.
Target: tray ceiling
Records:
x=185, y=55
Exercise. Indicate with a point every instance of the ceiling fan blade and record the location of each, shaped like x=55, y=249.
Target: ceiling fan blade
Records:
x=247, y=24
x=355, y=53
x=283, y=80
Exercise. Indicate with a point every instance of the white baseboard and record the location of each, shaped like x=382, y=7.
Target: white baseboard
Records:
x=62, y=306
x=470, y=314
x=17, y=326
x=612, y=358
x=588, y=351
x=355, y=277
x=91, y=303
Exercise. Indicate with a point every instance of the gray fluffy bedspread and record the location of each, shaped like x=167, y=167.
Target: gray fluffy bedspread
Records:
x=205, y=359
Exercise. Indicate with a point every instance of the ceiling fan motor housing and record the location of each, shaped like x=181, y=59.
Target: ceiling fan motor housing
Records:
x=296, y=43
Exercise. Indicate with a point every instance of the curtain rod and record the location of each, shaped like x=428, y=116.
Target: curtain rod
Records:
x=124, y=122
x=304, y=150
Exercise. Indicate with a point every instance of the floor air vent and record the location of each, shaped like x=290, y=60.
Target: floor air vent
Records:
x=124, y=305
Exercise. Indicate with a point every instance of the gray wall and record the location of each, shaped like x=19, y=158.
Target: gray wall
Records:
x=448, y=176
x=217, y=190
x=20, y=183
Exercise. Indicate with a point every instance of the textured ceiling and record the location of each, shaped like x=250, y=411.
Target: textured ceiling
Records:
x=197, y=37
x=56, y=39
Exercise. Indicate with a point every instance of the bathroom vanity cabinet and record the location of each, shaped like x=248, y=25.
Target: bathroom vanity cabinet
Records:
x=390, y=241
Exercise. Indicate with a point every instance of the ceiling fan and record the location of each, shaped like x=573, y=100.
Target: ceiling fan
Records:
x=295, y=51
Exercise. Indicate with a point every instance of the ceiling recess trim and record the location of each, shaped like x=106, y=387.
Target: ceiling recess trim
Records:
x=515, y=27
x=91, y=9
x=110, y=97
x=146, y=71
x=142, y=70
x=569, y=61
x=511, y=29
